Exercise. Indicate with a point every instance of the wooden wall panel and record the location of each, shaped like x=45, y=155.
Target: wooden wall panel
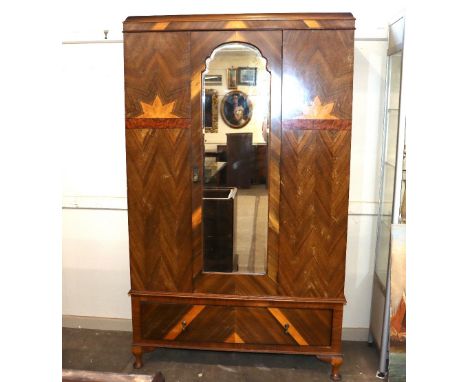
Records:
x=157, y=75
x=159, y=208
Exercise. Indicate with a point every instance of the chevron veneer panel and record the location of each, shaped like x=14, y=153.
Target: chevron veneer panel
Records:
x=158, y=320
x=307, y=327
x=159, y=204
x=157, y=75
x=318, y=73
x=314, y=212
x=186, y=322
x=315, y=158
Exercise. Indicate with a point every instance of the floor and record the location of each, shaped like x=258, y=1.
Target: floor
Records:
x=251, y=229
x=102, y=350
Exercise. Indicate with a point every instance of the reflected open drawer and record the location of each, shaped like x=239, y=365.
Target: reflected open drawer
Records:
x=220, y=193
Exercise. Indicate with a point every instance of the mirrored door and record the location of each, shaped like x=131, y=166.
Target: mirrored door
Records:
x=236, y=124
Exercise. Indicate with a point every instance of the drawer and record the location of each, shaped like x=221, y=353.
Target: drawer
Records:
x=183, y=322
x=236, y=325
x=284, y=326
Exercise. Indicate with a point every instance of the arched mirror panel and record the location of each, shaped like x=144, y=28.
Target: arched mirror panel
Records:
x=236, y=120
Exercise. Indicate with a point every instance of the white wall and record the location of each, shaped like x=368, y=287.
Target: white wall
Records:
x=88, y=19
x=93, y=95
x=95, y=263
x=95, y=238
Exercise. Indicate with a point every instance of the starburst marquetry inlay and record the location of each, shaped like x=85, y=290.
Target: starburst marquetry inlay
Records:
x=317, y=110
x=157, y=109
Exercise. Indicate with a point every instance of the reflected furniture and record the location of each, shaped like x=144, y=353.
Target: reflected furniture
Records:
x=219, y=206
x=260, y=174
x=239, y=160
x=296, y=305
x=260, y=165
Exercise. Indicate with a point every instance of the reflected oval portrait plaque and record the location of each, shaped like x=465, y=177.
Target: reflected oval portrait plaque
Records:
x=236, y=109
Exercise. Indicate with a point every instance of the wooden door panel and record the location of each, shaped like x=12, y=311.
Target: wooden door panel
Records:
x=157, y=110
x=314, y=212
x=159, y=205
x=316, y=145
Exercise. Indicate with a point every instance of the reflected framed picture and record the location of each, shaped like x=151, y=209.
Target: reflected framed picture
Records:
x=232, y=78
x=247, y=76
x=236, y=109
x=213, y=79
x=210, y=111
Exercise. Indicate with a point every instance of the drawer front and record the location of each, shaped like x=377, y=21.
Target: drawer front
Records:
x=181, y=322
x=282, y=326
x=235, y=325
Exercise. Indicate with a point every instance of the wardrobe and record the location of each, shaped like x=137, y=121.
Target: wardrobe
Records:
x=288, y=79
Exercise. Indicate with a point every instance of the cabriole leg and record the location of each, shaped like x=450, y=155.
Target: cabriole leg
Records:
x=335, y=361
x=137, y=353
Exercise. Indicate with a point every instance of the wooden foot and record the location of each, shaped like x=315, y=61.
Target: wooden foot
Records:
x=138, y=354
x=335, y=361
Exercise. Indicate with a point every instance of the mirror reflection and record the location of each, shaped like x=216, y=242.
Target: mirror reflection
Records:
x=236, y=118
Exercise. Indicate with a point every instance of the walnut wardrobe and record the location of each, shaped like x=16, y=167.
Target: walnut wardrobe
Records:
x=287, y=80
